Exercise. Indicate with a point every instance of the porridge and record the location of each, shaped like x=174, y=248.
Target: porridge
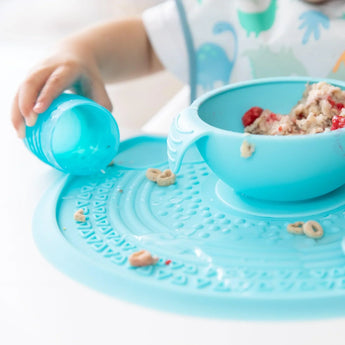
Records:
x=321, y=109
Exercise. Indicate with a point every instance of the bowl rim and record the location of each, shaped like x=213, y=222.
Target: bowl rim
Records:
x=273, y=80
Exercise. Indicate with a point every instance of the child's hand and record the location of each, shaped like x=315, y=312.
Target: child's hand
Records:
x=115, y=51
x=64, y=70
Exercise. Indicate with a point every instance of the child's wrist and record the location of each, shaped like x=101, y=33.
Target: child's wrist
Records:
x=77, y=49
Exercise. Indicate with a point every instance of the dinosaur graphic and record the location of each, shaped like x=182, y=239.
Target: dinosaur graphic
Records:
x=258, y=21
x=212, y=61
x=265, y=63
x=338, y=71
x=311, y=22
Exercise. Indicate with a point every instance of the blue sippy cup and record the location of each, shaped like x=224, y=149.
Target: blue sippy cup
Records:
x=74, y=135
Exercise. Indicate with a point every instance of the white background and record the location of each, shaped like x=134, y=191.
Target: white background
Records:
x=38, y=304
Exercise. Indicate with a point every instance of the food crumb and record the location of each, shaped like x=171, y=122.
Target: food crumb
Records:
x=295, y=228
x=162, y=178
x=120, y=190
x=166, y=178
x=168, y=262
x=311, y=229
x=247, y=149
x=111, y=163
x=152, y=174
x=142, y=258
x=102, y=171
x=79, y=216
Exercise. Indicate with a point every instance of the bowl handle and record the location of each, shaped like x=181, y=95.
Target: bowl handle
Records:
x=186, y=129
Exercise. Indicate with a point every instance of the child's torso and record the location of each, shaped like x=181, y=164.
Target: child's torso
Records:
x=235, y=40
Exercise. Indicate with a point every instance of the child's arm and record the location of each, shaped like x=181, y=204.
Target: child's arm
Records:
x=83, y=62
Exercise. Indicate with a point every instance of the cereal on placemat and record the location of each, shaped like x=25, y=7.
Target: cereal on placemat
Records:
x=313, y=229
x=142, y=258
x=79, y=216
x=295, y=228
x=152, y=174
x=166, y=178
x=162, y=178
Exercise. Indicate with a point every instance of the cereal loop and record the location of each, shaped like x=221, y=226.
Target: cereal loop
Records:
x=142, y=258
x=152, y=174
x=166, y=178
x=313, y=229
x=295, y=228
x=79, y=216
x=247, y=149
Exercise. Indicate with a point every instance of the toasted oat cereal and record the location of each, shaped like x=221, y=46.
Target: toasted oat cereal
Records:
x=247, y=149
x=79, y=216
x=152, y=174
x=313, y=229
x=296, y=228
x=142, y=258
x=166, y=178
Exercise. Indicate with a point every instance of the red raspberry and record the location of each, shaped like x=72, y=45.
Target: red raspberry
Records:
x=274, y=117
x=331, y=101
x=337, y=122
x=339, y=106
x=251, y=115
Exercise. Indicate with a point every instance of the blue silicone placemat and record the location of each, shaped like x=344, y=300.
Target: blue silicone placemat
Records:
x=231, y=257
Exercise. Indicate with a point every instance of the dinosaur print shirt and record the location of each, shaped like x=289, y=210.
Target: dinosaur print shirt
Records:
x=210, y=43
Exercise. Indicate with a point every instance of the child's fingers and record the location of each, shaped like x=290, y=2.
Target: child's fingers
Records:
x=17, y=118
x=99, y=94
x=28, y=94
x=58, y=81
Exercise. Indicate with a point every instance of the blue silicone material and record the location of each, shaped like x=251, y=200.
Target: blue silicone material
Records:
x=282, y=168
x=74, y=135
x=231, y=256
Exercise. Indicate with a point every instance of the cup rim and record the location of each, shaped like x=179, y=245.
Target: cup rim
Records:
x=82, y=101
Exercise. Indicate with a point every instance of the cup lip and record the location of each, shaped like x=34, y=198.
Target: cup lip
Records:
x=82, y=101
x=273, y=80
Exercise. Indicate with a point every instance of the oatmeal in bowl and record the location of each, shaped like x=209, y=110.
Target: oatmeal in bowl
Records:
x=321, y=109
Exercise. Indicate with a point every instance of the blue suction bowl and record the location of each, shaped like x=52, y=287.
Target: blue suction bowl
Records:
x=282, y=168
x=74, y=135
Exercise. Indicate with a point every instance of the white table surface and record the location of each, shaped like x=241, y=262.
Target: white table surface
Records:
x=40, y=305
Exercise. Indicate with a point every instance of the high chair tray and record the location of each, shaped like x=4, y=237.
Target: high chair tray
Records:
x=221, y=255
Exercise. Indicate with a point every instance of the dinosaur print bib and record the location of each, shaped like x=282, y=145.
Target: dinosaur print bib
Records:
x=235, y=40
